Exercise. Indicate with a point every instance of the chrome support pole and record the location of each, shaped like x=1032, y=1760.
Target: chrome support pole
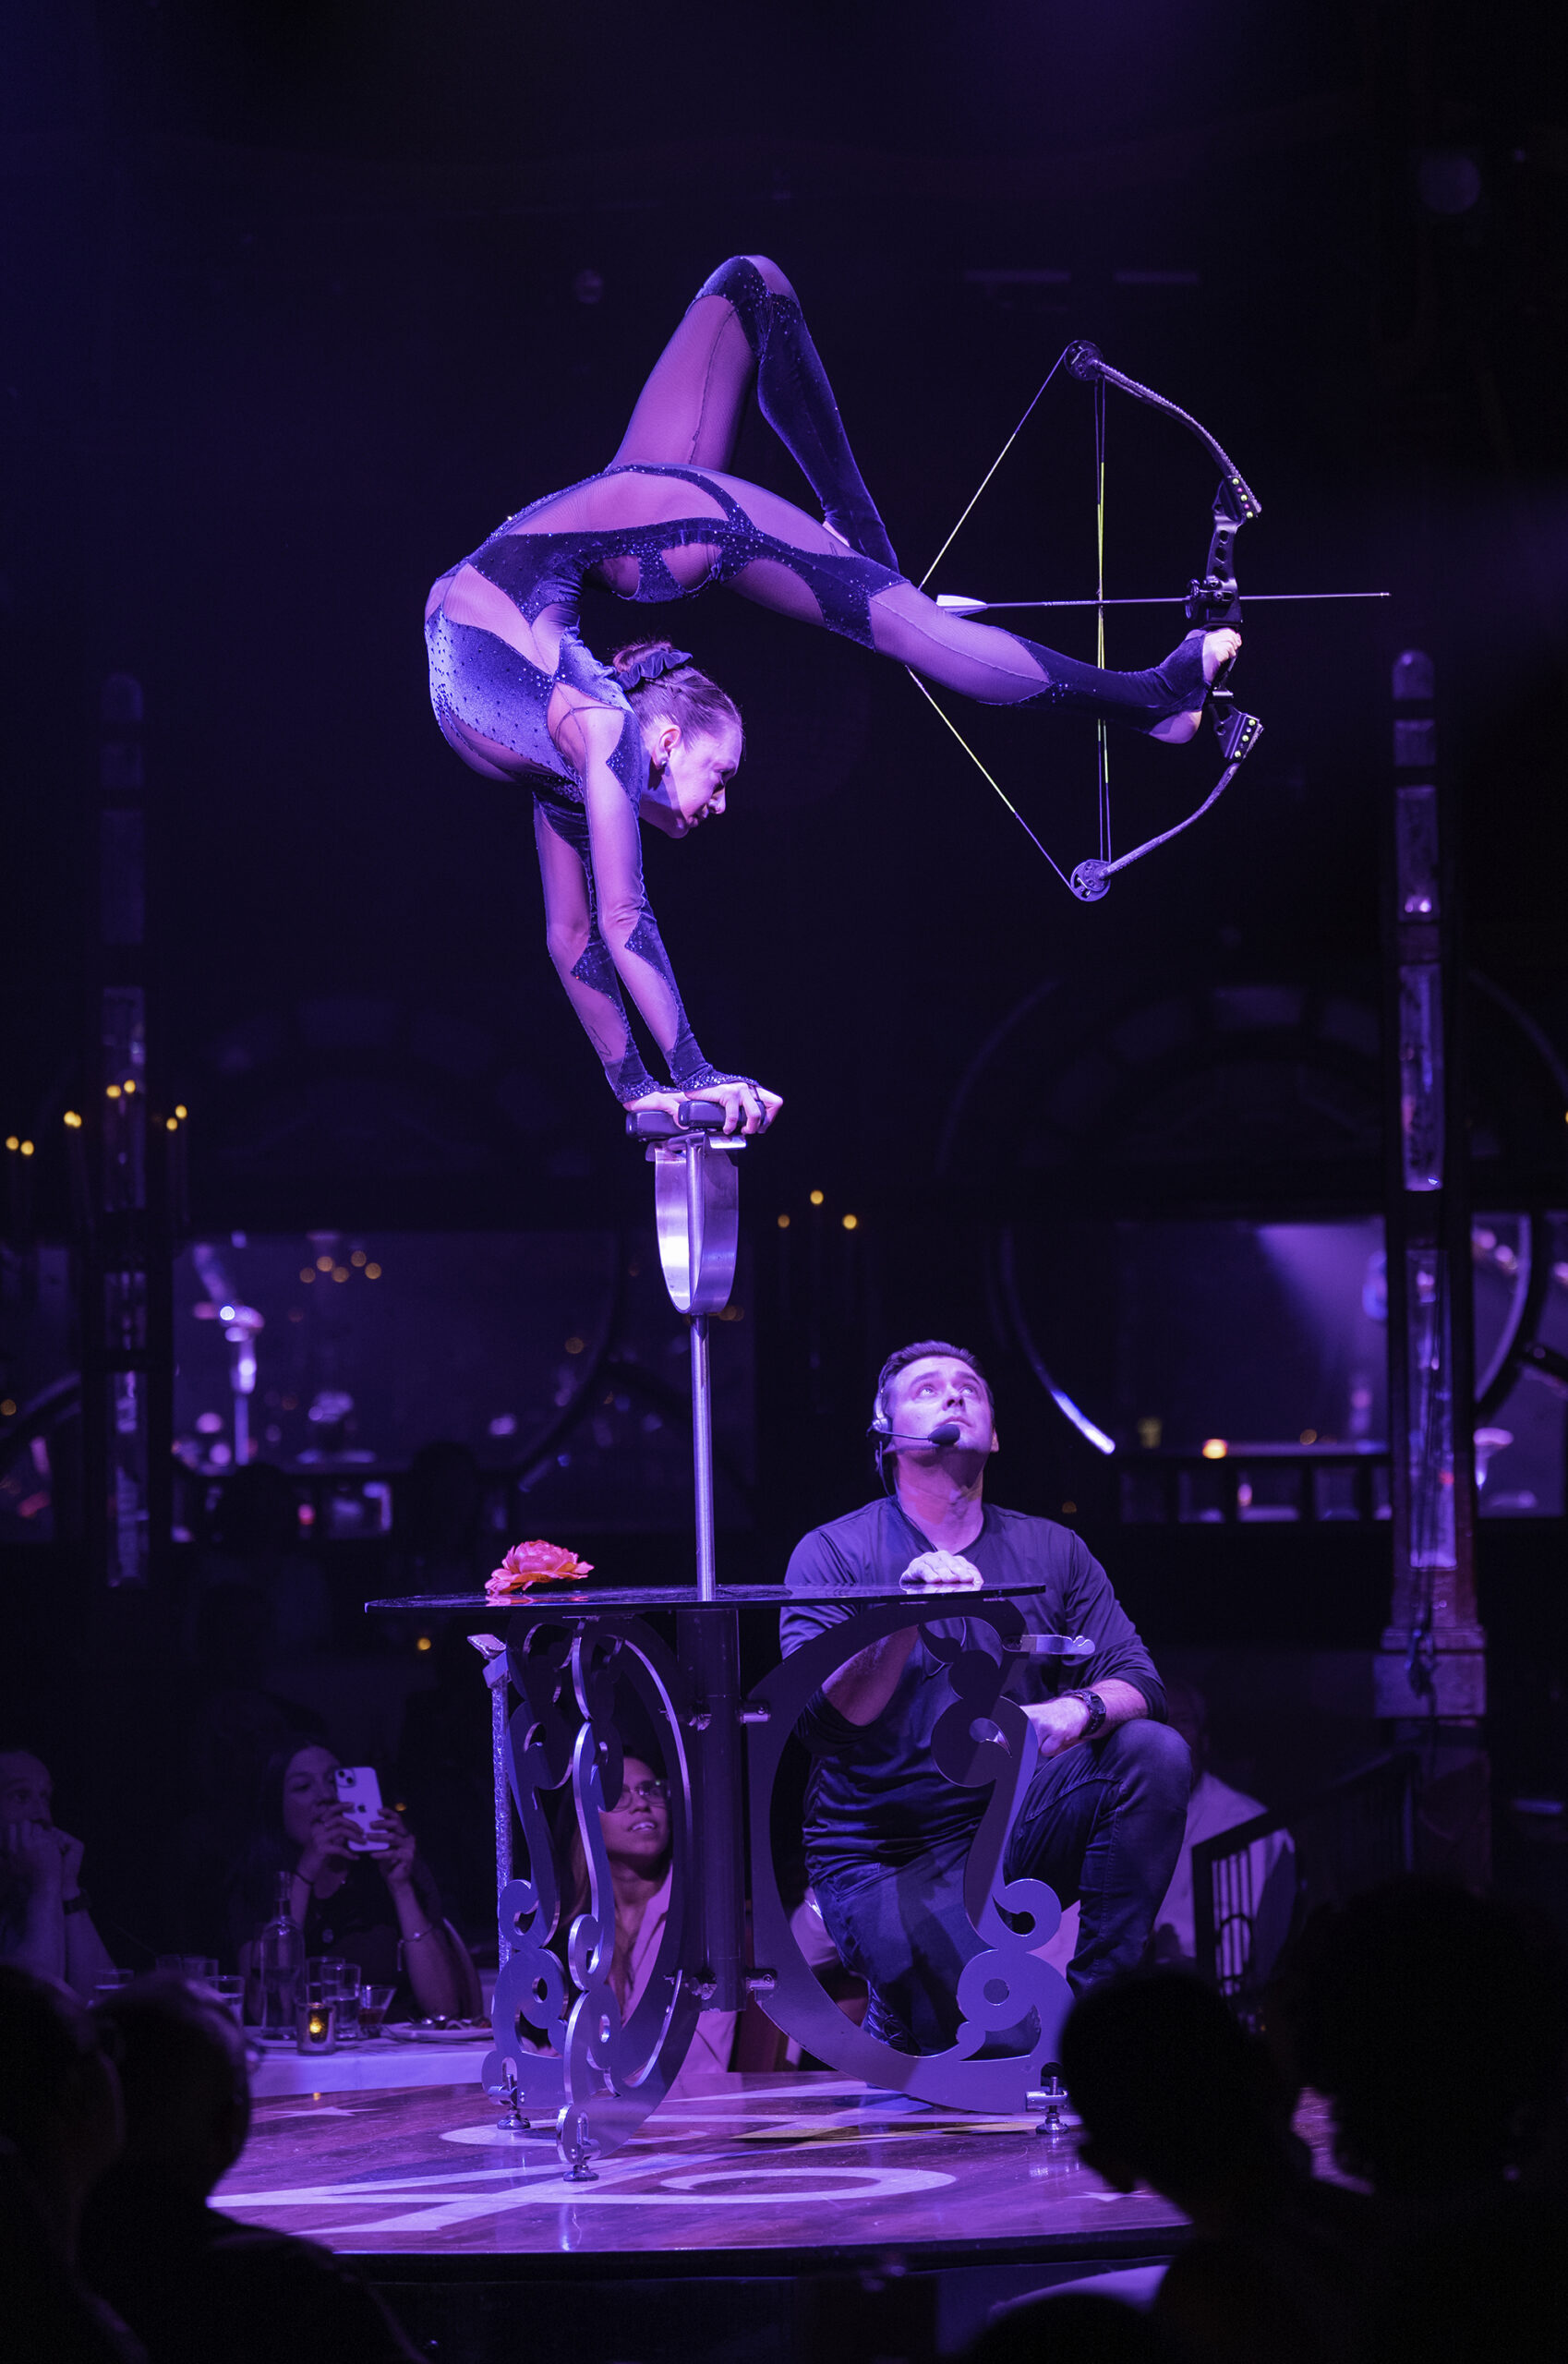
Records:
x=702, y=1458
x=709, y=1648
x=696, y=1205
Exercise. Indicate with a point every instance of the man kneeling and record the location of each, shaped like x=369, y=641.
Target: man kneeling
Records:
x=887, y=1835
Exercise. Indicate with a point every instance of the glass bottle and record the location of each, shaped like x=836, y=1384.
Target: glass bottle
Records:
x=279, y=1961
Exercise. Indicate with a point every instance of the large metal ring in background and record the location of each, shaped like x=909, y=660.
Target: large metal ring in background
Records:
x=697, y=1206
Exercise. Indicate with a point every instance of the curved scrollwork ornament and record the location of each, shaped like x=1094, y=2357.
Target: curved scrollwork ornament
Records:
x=530, y=1992
x=983, y=1739
x=561, y=2046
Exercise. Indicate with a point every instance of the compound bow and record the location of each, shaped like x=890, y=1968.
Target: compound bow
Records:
x=1211, y=601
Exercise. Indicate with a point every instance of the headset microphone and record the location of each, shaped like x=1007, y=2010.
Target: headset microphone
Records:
x=946, y=1432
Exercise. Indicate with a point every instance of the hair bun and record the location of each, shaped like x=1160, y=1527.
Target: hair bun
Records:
x=645, y=660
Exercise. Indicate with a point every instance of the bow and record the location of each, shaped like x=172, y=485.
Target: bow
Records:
x=1212, y=600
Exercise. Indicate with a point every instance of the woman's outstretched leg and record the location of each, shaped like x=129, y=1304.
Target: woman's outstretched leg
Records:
x=980, y=661
x=999, y=667
x=690, y=410
x=745, y=324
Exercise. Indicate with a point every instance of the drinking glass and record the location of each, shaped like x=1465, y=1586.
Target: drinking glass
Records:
x=316, y=2022
x=230, y=1992
x=375, y=2002
x=203, y=1968
x=109, y=1981
x=340, y=1979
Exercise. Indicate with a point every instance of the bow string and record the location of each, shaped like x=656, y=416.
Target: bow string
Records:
x=1211, y=601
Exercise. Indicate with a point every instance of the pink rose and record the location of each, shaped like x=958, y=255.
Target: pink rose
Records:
x=536, y=1563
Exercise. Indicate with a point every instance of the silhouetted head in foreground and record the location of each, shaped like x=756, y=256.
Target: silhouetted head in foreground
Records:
x=1173, y=2093
x=1436, y=2022
x=187, y=2091
x=59, y=2096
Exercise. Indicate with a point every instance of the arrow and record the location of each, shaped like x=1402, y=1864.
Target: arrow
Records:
x=958, y=606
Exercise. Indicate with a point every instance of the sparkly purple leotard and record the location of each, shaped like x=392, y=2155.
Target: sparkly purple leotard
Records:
x=484, y=689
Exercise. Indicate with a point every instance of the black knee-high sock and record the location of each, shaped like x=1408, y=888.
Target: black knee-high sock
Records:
x=797, y=403
x=1139, y=699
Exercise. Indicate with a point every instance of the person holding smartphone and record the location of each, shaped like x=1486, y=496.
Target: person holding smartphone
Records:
x=379, y=1909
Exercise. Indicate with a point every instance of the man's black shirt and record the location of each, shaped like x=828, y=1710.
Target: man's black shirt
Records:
x=875, y=1790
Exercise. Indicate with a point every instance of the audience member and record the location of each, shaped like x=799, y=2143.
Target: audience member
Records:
x=199, y=2287
x=637, y=1841
x=381, y=1911
x=45, y=1922
x=1174, y=2094
x=60, y=2128
x=1437, y=2023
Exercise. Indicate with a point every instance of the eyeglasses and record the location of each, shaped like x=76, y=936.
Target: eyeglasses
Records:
x=643, y=1793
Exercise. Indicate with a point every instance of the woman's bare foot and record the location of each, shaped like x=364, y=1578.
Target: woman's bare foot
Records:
x=1219, y=648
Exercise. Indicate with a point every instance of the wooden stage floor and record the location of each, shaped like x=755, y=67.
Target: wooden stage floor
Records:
x=796, y=2166
x=786, y=2219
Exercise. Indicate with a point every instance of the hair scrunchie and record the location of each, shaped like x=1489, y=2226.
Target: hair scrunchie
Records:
x=649, y=668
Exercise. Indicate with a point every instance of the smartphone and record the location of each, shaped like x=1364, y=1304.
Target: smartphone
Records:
x=359, y=1794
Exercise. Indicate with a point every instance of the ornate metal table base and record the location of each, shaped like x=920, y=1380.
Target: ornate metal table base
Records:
x=982, y=1737
x=603, y=2076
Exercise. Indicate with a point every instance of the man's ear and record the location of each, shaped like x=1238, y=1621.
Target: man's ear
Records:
x=995, y=1441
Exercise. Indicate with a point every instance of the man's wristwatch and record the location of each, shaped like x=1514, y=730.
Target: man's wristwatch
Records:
x=77, y=1903
x=1096, y=1708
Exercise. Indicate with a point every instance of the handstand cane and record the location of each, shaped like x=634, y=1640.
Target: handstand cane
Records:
x=697, y=1208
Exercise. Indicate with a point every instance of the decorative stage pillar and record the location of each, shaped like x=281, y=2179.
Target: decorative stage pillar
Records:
x=123, y=1211
x=1430, y=1678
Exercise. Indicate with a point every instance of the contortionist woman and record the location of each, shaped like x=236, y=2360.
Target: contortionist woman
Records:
x=647, y=737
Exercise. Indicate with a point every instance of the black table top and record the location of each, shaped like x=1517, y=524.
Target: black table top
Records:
x=584, y=1599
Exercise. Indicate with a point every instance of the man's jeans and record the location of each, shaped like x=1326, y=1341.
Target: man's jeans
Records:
x=1102, y=1823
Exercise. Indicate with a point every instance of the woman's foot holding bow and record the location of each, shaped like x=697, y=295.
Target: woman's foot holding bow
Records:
x=1220, y=649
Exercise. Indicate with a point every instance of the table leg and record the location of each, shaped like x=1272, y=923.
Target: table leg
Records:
x=708, y=1644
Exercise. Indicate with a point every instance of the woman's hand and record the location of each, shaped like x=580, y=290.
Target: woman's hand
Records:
x=669, y=1102
x=70, y=1862
x=748, y=1108
x=395, y=1848
x=330, y=1832
x=32, y=1854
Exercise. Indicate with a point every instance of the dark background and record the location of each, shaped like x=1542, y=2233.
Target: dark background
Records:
x=301, y=300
